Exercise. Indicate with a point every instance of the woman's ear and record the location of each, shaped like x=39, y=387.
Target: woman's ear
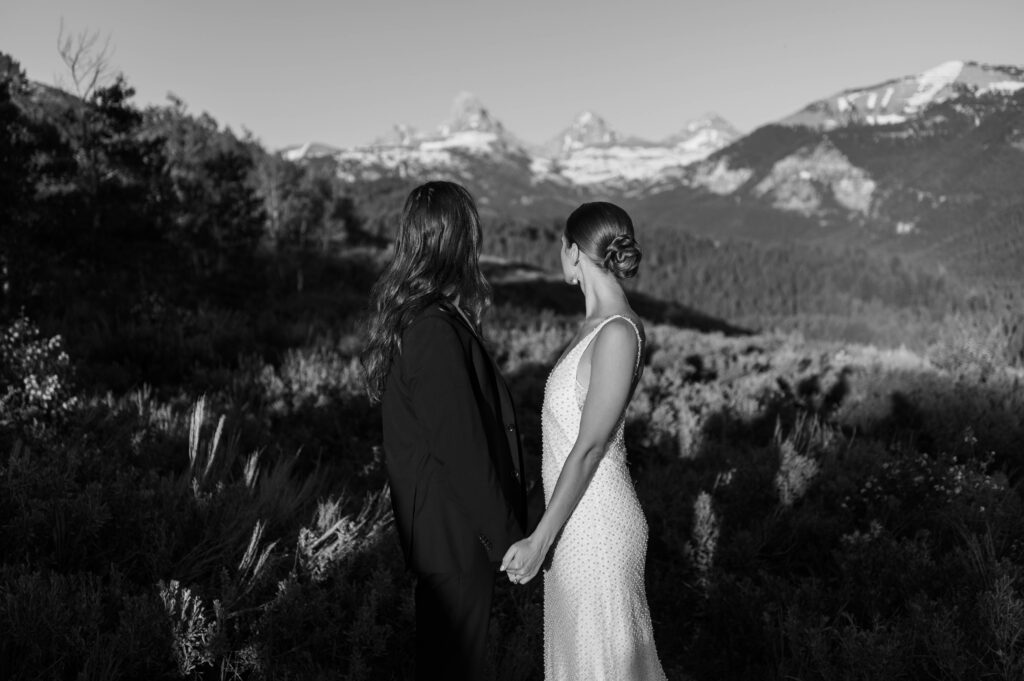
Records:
x=574, y=254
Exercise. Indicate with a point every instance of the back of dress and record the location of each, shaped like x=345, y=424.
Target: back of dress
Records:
x=597, y=624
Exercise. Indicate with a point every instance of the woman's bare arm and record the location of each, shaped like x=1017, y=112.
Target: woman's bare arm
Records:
x=611, y=383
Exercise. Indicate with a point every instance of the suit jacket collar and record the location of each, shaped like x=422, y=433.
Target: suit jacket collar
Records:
x=455, y=311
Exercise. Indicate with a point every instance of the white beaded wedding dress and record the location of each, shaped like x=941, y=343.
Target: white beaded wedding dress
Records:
x=597, y=625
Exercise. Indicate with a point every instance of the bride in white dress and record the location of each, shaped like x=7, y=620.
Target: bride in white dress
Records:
x=597, y=625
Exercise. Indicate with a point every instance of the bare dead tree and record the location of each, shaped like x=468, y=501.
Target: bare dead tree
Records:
x=87, y=62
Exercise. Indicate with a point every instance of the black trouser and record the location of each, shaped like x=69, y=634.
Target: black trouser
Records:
x=453, y=611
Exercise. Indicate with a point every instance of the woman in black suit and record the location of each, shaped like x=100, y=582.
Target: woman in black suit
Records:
x=450, y=437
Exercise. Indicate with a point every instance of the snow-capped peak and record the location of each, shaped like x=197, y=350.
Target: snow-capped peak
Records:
x=586, y=130
x=709, y=130
x=399, y=135
x=710, y=120
x=900, y=99
x=469, y=113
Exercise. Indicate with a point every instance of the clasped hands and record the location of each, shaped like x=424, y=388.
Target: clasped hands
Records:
x=523, y=560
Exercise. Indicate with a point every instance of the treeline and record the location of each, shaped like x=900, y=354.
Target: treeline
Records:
x=97, y=192
x=845, y=294
x=732, y=277
x=790, y=279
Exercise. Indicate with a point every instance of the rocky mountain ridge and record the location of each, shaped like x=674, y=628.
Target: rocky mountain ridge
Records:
x=587, y=153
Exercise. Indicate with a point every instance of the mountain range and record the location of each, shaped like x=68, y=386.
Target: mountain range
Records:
x=588, y=152
x=927, y=164
x=950, y=157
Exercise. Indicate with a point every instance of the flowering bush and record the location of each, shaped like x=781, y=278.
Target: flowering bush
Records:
x=35, y=376
x=924, y=483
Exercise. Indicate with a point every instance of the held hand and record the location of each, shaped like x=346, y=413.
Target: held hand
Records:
x=523, y=560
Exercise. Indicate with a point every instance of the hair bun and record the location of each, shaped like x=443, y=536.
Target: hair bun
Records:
x=622, y=256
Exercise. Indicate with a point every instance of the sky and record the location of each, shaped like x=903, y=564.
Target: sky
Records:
x=342, y=72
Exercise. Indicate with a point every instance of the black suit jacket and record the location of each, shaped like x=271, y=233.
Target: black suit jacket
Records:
x=452, y=448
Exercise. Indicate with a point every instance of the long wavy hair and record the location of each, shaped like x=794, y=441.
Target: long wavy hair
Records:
x=436, y=260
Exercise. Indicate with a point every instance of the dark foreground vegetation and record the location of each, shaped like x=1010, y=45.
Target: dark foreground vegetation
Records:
x=191, y=483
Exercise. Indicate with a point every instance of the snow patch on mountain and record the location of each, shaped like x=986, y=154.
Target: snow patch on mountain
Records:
x=904, y=227
x=708, y=130
x=541, y=167
x=309, y=150
x=472, y=141
x=898, y=100
x=799, y=182
x=371, y=163
x=931, y=82
x=719, y=178
x=589, y=152
x=600, y=165
x=884, y=119
x=1005, y=87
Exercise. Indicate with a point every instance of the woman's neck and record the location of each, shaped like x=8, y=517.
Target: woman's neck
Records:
x=602, y=295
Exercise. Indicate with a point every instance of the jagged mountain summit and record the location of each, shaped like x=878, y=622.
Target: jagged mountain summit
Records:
x=901, y=99
x=710, y=131
x=587, y=130
x=470, y=146
x=399, y=135
x=468, y=114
